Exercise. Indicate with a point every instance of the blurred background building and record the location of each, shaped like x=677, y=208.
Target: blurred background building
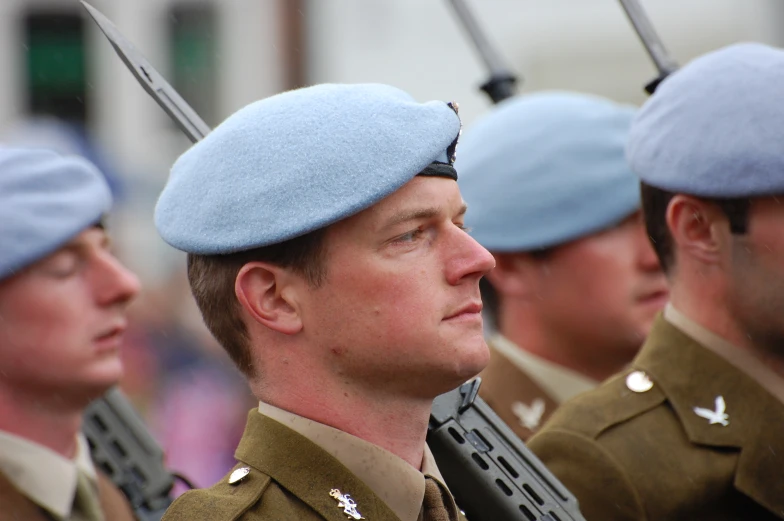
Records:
x=62, y=86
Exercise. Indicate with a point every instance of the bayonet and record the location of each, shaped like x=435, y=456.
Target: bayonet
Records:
x=169, y=100
x=665, y=65
x=501, y=84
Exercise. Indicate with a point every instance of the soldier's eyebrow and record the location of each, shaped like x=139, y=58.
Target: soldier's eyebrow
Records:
x=82, y=244
x=420, y=214
x=411, y=215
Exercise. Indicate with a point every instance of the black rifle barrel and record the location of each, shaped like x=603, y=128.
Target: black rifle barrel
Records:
x=651, y=41
x=501, y=84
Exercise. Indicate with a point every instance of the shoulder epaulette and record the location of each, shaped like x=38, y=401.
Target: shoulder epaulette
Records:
x=227, y=500
x=617, y=400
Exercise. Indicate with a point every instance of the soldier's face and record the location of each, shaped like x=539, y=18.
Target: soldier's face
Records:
x=756, y=285
x=62, y=320
x=400, y=308
x=603, y=291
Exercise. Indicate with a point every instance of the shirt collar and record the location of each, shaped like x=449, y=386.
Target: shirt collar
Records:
x=560, y=383
x=370, y=463
x=43, y=475
x=740, y=358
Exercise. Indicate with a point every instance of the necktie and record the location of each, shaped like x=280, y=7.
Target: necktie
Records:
x=434, y=506
x=86, y=505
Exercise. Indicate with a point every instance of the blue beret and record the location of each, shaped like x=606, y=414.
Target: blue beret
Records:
x=543, y=169
x=298, y=161
x=45, y=200
x=714, y=127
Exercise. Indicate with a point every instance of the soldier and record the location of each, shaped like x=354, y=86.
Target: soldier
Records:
x=63, y=297
x=694, y=429
x=576, y=284
x=326, y=251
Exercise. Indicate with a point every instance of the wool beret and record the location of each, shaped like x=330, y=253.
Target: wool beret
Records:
x=543, y=169
x=299, y=161
x=714, y=127
x=45, y=200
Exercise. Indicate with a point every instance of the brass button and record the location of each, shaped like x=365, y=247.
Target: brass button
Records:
x=639, y=382
x=238, y=475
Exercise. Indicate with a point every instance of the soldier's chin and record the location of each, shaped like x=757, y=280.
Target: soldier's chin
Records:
x=468, y=367
x=102, y=378
x=480, y=356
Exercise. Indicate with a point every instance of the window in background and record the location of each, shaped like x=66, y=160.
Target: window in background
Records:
x=56, y=65
x=193, y=56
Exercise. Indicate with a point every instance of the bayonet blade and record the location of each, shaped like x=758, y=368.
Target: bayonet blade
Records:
x=501, y=83
x=650, y=40
x=168, y=98
x=486, y=52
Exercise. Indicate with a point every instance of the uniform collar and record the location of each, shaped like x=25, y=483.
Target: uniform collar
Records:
x=43, y=475
x=560, y=383
x=691, y=375
x=373, y=465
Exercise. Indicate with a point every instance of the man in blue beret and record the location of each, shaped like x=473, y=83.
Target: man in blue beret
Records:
x=693, y=430
x=576, y=285
x=326, y=251
x=63, y=297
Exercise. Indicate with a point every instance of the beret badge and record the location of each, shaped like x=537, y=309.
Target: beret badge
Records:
x=451, y=151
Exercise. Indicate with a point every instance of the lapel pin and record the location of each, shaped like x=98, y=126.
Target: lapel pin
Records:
x=345, y=502
x=529, y=415
x=716, y=416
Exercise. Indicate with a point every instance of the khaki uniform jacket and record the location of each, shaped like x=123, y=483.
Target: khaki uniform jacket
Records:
x=15, y=506
x=290, y=479
x=514, y=396
x=649, y=456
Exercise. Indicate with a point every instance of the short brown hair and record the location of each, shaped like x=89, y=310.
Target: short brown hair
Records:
x=212, y=279
x=654, y=206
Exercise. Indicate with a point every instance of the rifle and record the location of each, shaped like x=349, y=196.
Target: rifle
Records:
x=125, y=451
x=488, y=469
x=501, y=84
x=665, y=65
x=491, y=472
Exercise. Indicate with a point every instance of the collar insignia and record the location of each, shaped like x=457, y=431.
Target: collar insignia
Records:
x=529, y=415
x=345, y=502
x=716, y=416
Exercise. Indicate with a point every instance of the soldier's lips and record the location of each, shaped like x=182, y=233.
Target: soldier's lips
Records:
x=470, y=311
x=655, y=298
x=111, y=338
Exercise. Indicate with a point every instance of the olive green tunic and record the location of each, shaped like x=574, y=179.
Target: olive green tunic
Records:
x=648, y=455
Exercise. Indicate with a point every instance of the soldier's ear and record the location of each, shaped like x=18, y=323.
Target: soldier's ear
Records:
x=267, y=295
x=513, y=275
x=699, y=228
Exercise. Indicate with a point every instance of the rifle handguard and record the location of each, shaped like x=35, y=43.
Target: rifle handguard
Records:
x=488, y=469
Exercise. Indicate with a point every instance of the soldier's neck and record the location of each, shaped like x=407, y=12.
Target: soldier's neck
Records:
x=597, y=362
x=713, y=313
x=42, y=422
x=395, y=423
